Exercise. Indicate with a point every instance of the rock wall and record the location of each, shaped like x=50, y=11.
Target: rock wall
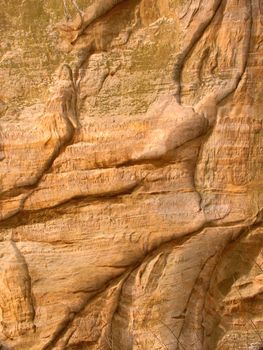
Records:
x=131, y=197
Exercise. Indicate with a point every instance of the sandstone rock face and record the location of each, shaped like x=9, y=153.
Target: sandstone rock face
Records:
x=131, y=149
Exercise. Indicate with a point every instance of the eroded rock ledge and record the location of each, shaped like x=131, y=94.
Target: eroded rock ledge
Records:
x=131, y=187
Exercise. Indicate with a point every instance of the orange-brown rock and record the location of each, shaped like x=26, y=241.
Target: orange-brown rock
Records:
x=131, y=175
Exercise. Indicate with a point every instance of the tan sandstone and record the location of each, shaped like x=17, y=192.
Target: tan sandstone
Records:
x=131, y=179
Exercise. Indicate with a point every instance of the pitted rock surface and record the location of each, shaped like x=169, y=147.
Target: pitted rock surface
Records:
x=131, y=178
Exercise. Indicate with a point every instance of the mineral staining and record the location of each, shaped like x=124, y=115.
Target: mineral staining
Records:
x=130, y=172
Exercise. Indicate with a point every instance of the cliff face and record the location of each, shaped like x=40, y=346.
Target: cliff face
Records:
x=131, y=149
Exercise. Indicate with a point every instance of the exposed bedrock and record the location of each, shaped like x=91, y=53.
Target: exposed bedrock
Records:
x=131, y=175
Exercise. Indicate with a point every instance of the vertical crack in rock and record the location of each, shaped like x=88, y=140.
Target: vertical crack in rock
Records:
x=111, y=220
x=189, y=45
x=230, y=290
x=62, y=328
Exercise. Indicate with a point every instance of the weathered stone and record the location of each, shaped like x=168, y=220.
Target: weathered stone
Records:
x=131, y=175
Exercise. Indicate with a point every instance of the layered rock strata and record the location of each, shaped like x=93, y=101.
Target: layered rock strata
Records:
x=131, y=178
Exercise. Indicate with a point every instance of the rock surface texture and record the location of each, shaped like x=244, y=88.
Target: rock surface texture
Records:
x=131, y=158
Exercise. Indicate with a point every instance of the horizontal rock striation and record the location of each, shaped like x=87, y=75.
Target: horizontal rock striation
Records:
x=131, y=175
